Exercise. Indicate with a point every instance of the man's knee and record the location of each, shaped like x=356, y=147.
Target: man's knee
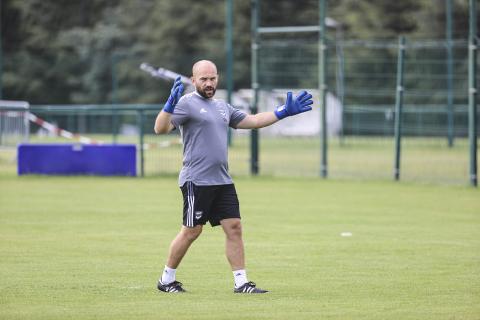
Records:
x=191, y=234
x=233, y=229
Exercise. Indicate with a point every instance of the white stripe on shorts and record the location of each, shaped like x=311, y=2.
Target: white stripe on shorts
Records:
x=191, y=204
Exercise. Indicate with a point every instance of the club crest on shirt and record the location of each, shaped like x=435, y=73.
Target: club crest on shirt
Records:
x=223, y=113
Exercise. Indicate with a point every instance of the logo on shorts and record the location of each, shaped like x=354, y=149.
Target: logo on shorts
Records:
x=198, y=214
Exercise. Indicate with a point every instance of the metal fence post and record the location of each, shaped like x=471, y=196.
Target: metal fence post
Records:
x=255, y=5
x=1, y=57
x=322, y=87
x=450, y=111
x=141, y=121
x=398, y=106
x=472, y=92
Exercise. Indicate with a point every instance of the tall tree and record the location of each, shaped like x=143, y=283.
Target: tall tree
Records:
x=88, y=51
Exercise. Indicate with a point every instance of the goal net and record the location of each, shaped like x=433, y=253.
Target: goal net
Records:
x=14, y=123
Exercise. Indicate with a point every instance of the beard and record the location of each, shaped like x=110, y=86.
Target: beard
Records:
x=207, y=93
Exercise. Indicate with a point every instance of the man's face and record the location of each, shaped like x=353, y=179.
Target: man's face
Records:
x=205, y=80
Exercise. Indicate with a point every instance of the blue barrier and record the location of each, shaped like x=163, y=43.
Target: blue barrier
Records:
x=77, y=159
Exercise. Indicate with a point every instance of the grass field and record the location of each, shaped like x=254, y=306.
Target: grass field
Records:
x=93, y=248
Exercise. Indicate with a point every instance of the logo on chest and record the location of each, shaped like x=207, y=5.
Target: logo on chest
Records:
x=223, y=114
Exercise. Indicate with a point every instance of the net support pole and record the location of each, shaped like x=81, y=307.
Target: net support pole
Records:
x=255, y=13
x=450, y=111
x=472, y=91
x=399, y=105
x=229, y=55
x=1, y=53
x=322, y=87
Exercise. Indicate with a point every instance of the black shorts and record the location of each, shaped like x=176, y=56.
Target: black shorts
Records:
x=209, y=203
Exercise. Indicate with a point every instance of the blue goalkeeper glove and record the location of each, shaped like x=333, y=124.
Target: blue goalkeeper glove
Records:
x=302, y=103
x=175, y=95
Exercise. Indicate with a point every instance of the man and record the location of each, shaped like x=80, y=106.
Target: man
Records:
x=208, y=191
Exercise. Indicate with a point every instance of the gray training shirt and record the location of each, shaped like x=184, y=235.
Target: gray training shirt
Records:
x=203, y=124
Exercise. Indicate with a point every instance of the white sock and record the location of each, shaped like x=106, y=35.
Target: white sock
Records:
x=168, y=275
x=240, y=278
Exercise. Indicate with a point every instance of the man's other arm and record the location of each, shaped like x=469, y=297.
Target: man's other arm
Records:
x=163, y=123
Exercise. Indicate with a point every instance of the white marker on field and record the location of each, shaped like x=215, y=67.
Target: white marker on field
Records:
x=346, y=234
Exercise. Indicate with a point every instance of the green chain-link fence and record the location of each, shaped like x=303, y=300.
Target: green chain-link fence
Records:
x=361, y=79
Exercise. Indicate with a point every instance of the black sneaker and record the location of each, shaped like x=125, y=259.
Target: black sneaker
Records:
x=173, y=287
x=249, y=287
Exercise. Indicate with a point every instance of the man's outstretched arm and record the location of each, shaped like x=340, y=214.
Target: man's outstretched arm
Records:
x=302, y=103
x=256, y=121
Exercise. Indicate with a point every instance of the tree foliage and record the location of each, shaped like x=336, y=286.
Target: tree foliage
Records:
x=88, y=51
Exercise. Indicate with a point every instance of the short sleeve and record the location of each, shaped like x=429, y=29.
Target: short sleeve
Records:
x=180, y=114
x=236, y=116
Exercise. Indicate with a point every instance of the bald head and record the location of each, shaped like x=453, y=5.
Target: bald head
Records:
x=203, y=66
x=205, y=78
